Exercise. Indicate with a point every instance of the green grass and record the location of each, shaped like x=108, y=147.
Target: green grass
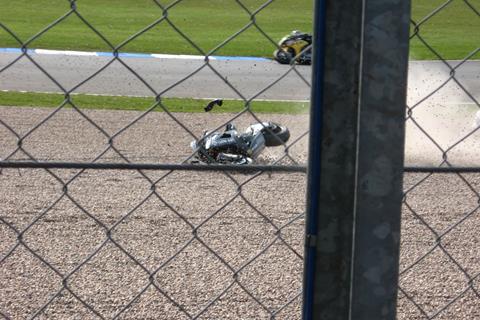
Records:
x=83, y=101
x=453, y=32
x=206, y=22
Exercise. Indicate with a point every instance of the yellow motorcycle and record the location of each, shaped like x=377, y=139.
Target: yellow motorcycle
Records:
x=296, y=45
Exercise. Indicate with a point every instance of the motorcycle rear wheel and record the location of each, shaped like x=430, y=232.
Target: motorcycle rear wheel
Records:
x=276, y=135
x=282, y=56
x=305, y=57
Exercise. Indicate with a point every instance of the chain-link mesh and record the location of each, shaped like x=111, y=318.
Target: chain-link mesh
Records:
x=439, y=267
x=169, y=243
x=166, y=241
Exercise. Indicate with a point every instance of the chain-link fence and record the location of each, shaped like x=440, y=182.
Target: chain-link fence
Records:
x=439, y=272
x=112, y=220
x=104, y=216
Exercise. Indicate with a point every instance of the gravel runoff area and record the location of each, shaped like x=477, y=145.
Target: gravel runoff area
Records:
x=238, y=258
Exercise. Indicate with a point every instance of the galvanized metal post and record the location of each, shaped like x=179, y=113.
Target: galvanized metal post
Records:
x=356, y=159
x=380, y=159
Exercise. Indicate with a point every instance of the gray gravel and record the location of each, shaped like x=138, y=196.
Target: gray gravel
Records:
x=443, y=277
x=236, y=259
x=152, y=231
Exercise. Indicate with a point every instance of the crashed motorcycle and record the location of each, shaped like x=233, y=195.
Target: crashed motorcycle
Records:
x=296, y=45
x=233, y=147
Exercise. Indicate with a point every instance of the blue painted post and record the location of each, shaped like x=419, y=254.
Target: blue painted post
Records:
x=316, y=120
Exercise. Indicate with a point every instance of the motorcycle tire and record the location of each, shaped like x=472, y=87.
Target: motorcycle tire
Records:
x=305, y=62
x=282, y=56
x=276, y=135
x=303, y=59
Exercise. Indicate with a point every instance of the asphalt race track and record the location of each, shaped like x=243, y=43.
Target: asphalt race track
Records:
x=249, y=77
x=191, y=77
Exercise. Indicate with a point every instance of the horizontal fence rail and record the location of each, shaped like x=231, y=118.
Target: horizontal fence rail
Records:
x=152, y=166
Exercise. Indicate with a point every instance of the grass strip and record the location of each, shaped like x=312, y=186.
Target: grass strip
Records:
x=205, y=23
x=453, y=32
x=84, y=101
x=141, y=26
